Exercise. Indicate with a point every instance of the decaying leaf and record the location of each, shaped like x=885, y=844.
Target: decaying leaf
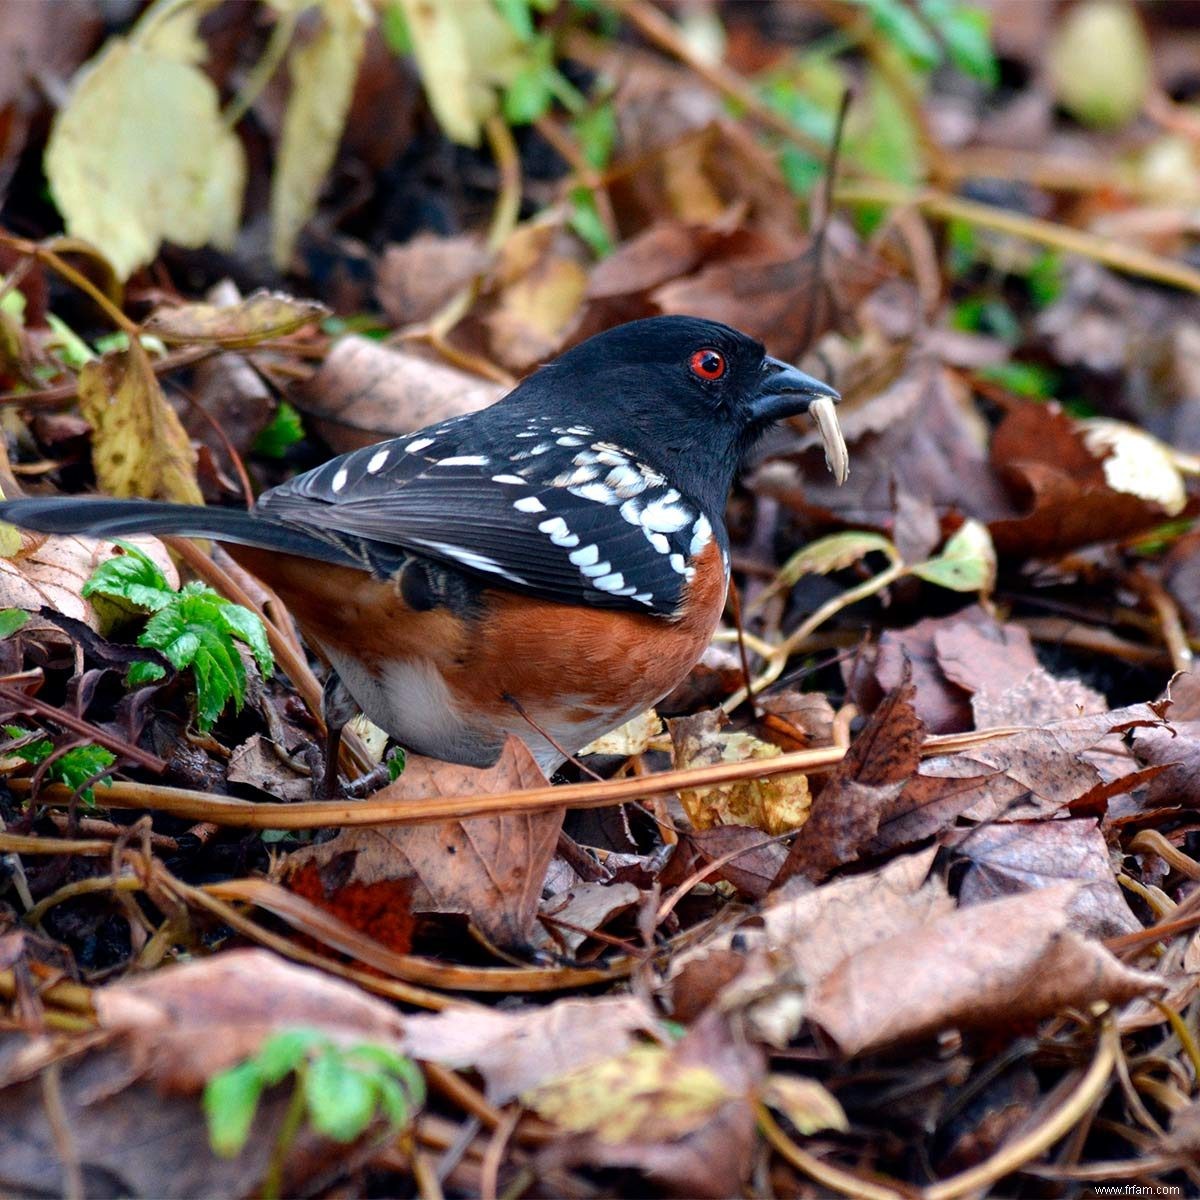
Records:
x=365, y=392
x=51, y=571
x=490, y=868
x=1001, y=963
x=139, y=446
x=322, y=72
x=774, y=805
x=122, y=175
x=233, y=326
x=516, y=1052
x=804, y=1102
x=629, y=739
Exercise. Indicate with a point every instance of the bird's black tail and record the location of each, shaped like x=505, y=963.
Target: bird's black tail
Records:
x=116, y=518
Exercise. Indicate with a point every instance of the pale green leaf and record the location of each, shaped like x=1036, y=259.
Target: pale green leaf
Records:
x=322, y=72
x=230, y=1102
x=341, y=1100
x=834, y=553
x=123, y=171
x=967, y=562
x=806, y=1103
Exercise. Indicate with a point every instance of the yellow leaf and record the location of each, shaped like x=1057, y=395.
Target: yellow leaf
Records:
x=804, y=1102
x=634, y=737
x=643, y=1092
x=1136, y=462
x=139, y=447
x=775, y=805
x=834, y=553
x=249, y=321
x=139, y=155
x=323, y=71
x=465, y=51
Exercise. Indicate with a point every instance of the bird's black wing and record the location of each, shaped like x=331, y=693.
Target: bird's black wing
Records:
x=535, y=505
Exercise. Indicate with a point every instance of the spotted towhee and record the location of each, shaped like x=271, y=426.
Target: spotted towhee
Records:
x=548, y=567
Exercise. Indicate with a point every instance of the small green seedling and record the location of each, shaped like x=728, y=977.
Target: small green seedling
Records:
x=194, y=628
x=73, y=769
x=341, y=1090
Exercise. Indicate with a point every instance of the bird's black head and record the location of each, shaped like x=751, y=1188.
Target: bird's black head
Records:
x=689, y=395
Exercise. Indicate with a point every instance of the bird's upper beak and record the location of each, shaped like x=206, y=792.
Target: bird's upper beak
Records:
x=783, y=391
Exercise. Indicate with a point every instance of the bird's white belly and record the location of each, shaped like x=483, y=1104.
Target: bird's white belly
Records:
x=409, y=699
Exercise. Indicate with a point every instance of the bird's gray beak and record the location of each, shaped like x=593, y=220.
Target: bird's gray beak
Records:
x=783, y=391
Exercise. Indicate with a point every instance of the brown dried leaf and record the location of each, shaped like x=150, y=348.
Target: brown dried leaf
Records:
x=51, y=570
x=536, y=313
x=365, y=392
x=1021, y=857
x=139, y=447
x=998, y=964
x=418, y=278
x=256, y=763
x=846, y=814
x=758, y=861
x=518, y=1051
x=186, y=1023
x=490, y=868
x=259, y=316
x=1062, y=485
x=589, y=906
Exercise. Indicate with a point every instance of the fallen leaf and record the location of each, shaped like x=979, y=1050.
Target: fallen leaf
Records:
x=122, y=176
x=365, y=392
x=535, y=314
x=697, y=1131
x=758, y=862
x=50, y=571
x=255, y=762
x=634, y=737
x=859, y=791
x=237, y=325
x=1015, y=858
x=588, y=907
x=775, y=805
x=805, y=1103
x=465, y=50
x=516, y=1052
x=139, y=446
x=999, y=964
x=416, y=279
x=490, y=868
x=322, y=72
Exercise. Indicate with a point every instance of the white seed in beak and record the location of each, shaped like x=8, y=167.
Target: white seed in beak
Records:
x=837, y=457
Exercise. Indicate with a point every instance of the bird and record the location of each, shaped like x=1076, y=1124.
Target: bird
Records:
x=549, y=566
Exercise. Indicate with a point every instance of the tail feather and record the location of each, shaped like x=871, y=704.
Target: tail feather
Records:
x=116, y=518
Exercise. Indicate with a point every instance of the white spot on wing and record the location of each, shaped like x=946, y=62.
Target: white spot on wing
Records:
x=596, y=569
x=666, y=515
x=586, y=555
x=339, y=480
x=419, y=444
x=469, y=558
x=464, y=460
x=559, y=534
x=701, y=534
x=568, y=440
x=677, y=563
x=659, y=542
x=377, y=461
x=507, y=479
x=631, y=510
x=610, y=583
x=529, y=504
x=598, y=492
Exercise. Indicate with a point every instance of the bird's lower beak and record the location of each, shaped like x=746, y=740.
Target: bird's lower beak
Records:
x=783, y=391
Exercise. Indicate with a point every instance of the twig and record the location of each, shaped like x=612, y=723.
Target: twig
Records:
x=60, y=1130
x=1111, y=253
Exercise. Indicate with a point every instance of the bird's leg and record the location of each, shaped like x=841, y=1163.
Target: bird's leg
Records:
x=337, y=708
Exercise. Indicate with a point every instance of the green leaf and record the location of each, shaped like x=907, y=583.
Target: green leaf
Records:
x=905, y=30
x=586, y=223
x=32, y=752
x=1045, y=278
x=283, y=432
x=1026, y=379
x=12, y=619
x=341, y=1101
x=132, y=576
x=967, y=562
x=79, y=765
x=518, y=16
x=390, y=1097
x=966, y=30
x=144, y=672
x=596, y=133
x=283, y=1052
x=528, y=96
x=395, y=764
x=395, y=29
x=247, y=627
x=230, y=1102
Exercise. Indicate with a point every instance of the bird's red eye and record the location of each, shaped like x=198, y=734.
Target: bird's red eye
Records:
x=707, y=364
